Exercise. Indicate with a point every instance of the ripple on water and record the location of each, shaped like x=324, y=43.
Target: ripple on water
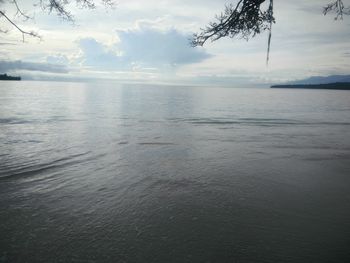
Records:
x=29, y=169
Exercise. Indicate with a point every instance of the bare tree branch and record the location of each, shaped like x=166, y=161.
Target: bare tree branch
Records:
x=338, y=8
x=248, y=18
x=59, y=7
x=245, y=19
x=29, y=33
x=19, y=11
x=270, y=32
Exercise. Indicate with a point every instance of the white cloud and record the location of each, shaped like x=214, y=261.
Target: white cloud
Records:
x=142, y=47
x=58, y=59
x=96, y=55
x=151, y=46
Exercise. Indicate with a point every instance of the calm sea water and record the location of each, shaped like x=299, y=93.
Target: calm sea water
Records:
x=122, y=173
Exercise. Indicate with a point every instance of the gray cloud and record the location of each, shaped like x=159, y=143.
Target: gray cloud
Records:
x=155, y=47
x=144, y=47
x=11, y=66
x=57, y=59
x=97, y=55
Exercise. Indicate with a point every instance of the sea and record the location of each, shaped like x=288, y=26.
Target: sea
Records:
x=108, y=172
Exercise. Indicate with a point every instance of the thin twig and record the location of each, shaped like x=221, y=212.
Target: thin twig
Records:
x=19, y=11
x=31, y=33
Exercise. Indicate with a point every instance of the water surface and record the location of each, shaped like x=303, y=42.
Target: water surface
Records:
x=126, y=173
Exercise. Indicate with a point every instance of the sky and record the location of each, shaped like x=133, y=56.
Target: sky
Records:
x=148, y=41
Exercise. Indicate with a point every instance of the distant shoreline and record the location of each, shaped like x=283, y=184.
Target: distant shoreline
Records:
x=331, y=86
x=7, y=77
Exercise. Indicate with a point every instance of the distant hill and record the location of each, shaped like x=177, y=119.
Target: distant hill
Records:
x=336, y=82
x=333, y=86
x=321, y=80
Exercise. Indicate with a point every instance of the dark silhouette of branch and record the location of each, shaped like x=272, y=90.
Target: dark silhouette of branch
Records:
x=245, y=19
x=338, y=8
x=248, y=18
x=59, y=7
x=20, y=12
x=29, y=33
x=270, y=32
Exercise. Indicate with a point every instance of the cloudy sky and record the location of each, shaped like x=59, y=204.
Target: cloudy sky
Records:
x=149, y=41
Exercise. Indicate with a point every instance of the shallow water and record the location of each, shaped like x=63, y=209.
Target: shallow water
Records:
x=125, y=173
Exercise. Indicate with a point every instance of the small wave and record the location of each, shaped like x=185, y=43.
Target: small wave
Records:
x=330, y=157
x=165, y=184
x=12, y=142
x=261, y=122
x=60, y=119
x=156, y=143
x=14, y=121
x=240, y=121
x=34, y=169
x=174, y=184
x=331, y=123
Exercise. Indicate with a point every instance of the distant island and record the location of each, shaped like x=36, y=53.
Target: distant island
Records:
x=334, y=86
x=6, y=77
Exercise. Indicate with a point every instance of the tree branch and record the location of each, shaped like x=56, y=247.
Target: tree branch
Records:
x=56, y=6
x=270, y=33
x=247, y=18
x=338, y=8
x=19, y=11
x=29, y=33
